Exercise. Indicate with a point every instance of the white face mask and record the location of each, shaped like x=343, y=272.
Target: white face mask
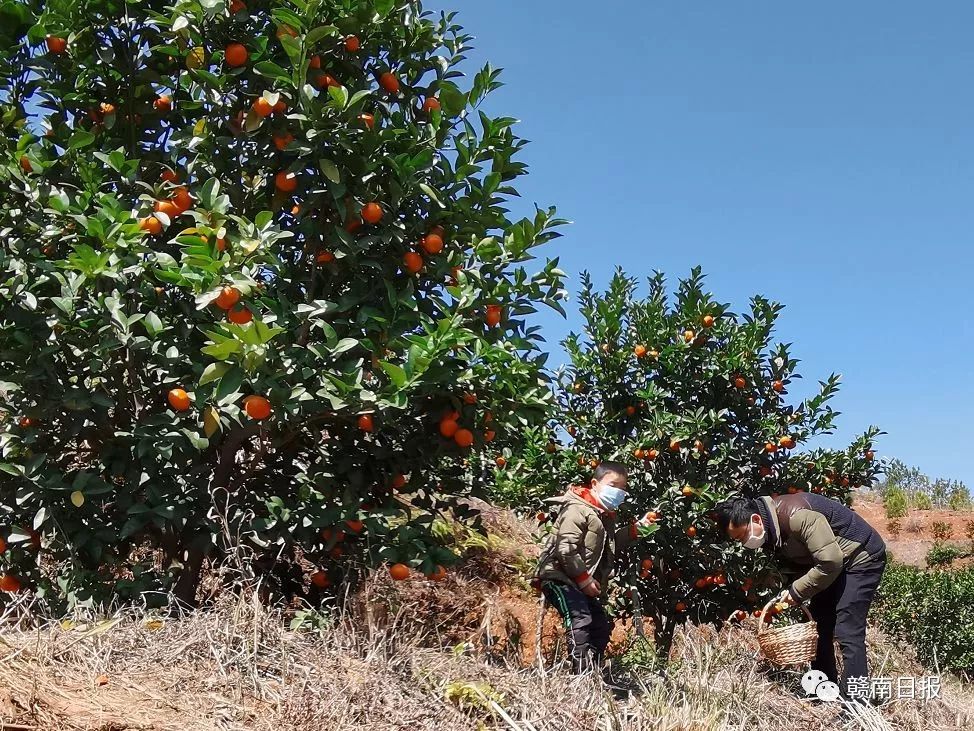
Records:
x=611, y=497
x=755, y=540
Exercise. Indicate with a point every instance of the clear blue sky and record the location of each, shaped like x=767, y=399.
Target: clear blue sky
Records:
x=818, y=153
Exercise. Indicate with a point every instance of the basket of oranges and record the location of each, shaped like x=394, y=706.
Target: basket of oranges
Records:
x=792, y=644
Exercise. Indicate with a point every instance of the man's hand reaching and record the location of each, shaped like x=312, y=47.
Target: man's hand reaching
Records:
x=592, y=589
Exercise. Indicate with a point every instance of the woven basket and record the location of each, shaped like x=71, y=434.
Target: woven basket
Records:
x=792, y=645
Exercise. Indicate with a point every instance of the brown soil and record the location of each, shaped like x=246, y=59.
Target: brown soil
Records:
x=916, y=529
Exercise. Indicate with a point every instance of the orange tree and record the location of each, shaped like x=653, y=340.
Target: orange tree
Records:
x=694, y=398
x=259, y=290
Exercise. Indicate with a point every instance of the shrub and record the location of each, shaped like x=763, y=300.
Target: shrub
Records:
x=942, y=531
x=969, y=530
x=960, y=498
x=942, y=553
x=933, y=610
x=245, y=285
x=896, y=503
x=894, y=528
x=921, y=501
x=914, y=525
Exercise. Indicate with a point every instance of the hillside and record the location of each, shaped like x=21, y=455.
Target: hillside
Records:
x=417, y=655
x=915, y=538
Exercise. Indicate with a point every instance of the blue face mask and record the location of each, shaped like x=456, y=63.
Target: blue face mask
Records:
x=611, y=497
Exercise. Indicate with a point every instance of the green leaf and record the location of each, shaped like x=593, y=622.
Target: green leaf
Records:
x=396, y=374
x=272, y=71
x=316, y=34
x=81, y=138
x=330, y=170
x=222, y=351
x=230, y=383
x=384, y=7
x=339, y=94
x=452, y=100
x=214, y=371
x=344, y=345
x=153, y=325
x=431, y=193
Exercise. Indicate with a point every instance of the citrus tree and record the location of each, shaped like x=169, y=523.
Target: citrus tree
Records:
x=694, y=398
x=260, y=295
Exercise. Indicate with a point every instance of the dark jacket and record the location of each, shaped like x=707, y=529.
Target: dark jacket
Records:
x=816, y=538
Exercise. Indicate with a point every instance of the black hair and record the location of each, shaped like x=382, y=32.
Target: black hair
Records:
x=605, y=468
x=735, y=511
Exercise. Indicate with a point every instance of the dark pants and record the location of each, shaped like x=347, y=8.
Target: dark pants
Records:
x=586, y=623
x=840, y=612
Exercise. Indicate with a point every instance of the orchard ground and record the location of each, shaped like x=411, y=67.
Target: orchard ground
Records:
x=456, y=654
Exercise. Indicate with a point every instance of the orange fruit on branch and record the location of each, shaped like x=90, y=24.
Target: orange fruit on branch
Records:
x=352, y=44
x=437, y=574
x=740, y=382
x=489, y=436
x=240, y=315
x=56, y=45
x=787, y=442
x=372, y=213
x=282, y=140
x=448, y=428
x=162, y=104
x=151, y=225
x=169, y=208
x=229, y=296
x=285, y=182
x=389, y=82
x=500, y=461
x=639, y=351
x=366, y=423
x=262, y=107
x=325, y=257
x=178, y=399
x=236, y=54
x=432, y=243
x=708, y=321
x=430, y=104
x=493, y=315
x=778, y=386
x=368, y=120
x=9, y=584
x=257, y=407
x=412, y=262
x=463, y=438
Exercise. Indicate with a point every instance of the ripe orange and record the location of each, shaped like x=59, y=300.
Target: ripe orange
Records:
x=412, y=262
x=9, y=584
x=674, y=445
x=280, y=106
x=151, y=225
x=236, y=6
x=787, y=442
x=699, y=446
x=390, y=82
x=639, y=351
x=432, y=243
x=778, y=386
x=430, y=104
x=438, y=574
x=240, y=316
x=368, y=120
x=168, y=207
x=448, y=427
x=652, y=454
x=257, y=407
x=262, y=107
x=493, y=316
x=870, y=455
x=501, y=462
x=162, y=104
x=399, y=571
x=314, y=62
x=372, y=213
x=489, y=436
x=285, y=182
x=764, y=471
x=352, y=44
x=25, y=164
x=325, y=257
x=26, y=422
x=229, y=296
x=739, y=382
x=236, y=54
x=282, y=140
x=770, y=447
x=365, y=423
x=638, y=453
x=692, y=531
x=355, y=526
x=469, y=398
x=647, y=564
x=687, y=491
x=708, y=321
x=700, y=583
x=56, y=44
x=630, y=410
x=689, y=335
x=398, y=482
x=295, y=210
x=681, y=607
x=326, y=80
x=336, y=553
x=178, y=399
x=463, y=438
x=182, y=200
x=320, y=579
x=488, y=417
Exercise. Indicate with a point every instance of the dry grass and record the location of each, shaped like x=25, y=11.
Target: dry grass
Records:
x=381, y=666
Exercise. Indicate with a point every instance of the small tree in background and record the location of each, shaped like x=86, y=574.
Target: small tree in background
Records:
x=694, y=397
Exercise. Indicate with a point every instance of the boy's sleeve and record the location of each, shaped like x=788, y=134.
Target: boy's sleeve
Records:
x=569, y=547
x=813, y=529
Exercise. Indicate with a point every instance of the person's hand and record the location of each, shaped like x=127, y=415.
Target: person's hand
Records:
x=786, y=598
x=592, y=589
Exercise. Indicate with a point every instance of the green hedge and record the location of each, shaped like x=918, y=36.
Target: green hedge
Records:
x=933, y=610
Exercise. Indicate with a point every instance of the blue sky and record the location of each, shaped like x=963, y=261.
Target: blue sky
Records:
x=818, y=153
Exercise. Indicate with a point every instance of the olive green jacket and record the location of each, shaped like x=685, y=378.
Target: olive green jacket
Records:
x=816, y=538
x=584, y=542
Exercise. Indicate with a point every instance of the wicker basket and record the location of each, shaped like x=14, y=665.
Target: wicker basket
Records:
x=792, y=645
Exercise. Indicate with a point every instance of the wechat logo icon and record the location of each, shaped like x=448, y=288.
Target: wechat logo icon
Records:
x=816, y=683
